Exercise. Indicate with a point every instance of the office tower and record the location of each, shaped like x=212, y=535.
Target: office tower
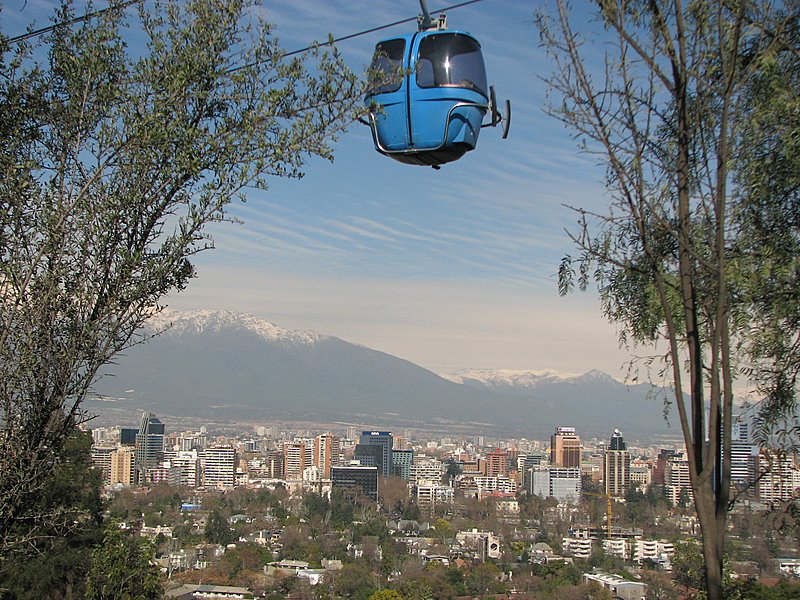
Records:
x=369, y=455
x=356, y=480
x=295, y=459
x=149, y=445
x=401, y=463
x=744, y=454
x=661, y=464
x=537, y=481
x=531, y=459
x=366, y=449
x=617, y=466
x=275, y=464
x=127, y=436
x=565, y=484
x=219, y=466
x=122, y=466
x=565, y=448
x=561, y=483
x=326, y=453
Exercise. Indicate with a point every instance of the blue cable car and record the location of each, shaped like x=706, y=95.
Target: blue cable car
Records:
x=429, y=95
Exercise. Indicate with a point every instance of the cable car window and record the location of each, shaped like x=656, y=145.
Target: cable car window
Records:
x=451, y=59
x=386, y=70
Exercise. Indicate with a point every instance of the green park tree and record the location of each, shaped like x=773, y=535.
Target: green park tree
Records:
x=122, y=567
x=665, y=112
x=217, y=529
x=114, y=157
x=355, y=580
x=59, y=568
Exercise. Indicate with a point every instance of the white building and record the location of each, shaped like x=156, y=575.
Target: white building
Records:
x=617, y=547
x=659, y=552
x=641, y=473
x=425, y=469
x=561, y=483
x=219, y=466
x=780, y=477
x=676, y=479
x=619, y=587
x=187, y=464
x=430, y=495
x=487, y=485
x=578, y=547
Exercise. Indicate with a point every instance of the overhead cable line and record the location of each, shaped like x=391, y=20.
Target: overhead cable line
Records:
x=355, y=35
x=127, y=3
x=380, y=28
x=88, y=16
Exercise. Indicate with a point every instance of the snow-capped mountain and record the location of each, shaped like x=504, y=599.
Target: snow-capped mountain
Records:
x=172, y=322
x=220, y=365
x=522, y=381
x=506, y=377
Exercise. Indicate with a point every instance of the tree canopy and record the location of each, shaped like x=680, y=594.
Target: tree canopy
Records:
x=114, y=157
x=122, y=567
x=680, y=261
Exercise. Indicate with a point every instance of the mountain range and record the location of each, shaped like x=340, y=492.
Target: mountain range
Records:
x=228, y=367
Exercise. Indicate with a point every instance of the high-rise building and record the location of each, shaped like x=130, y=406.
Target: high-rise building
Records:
x=149, y=445
x=219, y=466
x=661, y=465
x=565, y=484
x=356, y=479
x=425, y=469
x=186, y=463
x=677, y=483
x=101, y=460
x=127, y=436
x=497, y=463
x=274, y=464
x=326, y=453
x=779, y=477
x=532, y=459
x=295, y=459
x=561, y=483
x=122, y=466
x=365, y=449
x=617, y=466
x=401, y=463
x=565, y=448
x=744, y=454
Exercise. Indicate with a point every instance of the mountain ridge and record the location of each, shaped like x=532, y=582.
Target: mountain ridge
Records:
x=224, y=365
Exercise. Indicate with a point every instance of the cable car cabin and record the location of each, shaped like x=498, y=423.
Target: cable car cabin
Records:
x=428, y=107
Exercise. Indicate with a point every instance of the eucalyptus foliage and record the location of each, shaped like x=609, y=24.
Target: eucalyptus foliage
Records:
x=682, y=260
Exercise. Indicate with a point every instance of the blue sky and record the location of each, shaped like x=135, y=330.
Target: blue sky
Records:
x=449, y=269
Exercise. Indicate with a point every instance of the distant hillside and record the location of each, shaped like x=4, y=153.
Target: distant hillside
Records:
x=226, y=366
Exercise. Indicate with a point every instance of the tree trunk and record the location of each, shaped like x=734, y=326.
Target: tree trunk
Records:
x=712, y=533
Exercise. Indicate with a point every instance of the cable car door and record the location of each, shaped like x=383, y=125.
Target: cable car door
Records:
x=390, y=90
x=448, y=70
